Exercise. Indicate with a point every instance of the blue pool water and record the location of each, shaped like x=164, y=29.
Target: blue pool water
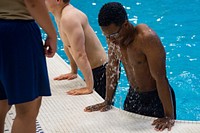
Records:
x=177, y=22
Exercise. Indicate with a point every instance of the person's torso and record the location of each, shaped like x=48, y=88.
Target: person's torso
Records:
x=14, y=9
x=136, y=65
x=94, y=50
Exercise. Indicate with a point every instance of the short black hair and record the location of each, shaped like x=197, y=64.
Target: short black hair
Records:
x=112, y=12
x=66, y=1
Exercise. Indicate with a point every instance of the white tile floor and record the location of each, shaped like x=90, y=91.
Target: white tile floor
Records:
x=62, y=113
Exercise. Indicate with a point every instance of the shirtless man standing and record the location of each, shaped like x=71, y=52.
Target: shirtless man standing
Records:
x=82, y=47
x=143, y=57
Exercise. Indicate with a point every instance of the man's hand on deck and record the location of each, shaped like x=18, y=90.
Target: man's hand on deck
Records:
x=68, y=76
x=162, y=123
x=104, y=106
x=81, y=91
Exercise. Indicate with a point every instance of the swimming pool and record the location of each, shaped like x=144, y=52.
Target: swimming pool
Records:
x=177, y=24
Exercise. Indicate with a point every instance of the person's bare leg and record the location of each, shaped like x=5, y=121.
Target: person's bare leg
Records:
x=26, y=114
x=4, y=108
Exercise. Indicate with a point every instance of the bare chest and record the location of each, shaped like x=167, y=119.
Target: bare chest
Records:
x=133, y=56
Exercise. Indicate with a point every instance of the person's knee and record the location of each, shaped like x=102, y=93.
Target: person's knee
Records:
x=28, y=110
x=4, y=107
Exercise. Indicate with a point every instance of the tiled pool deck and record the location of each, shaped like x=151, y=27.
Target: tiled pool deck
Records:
x=62, y=113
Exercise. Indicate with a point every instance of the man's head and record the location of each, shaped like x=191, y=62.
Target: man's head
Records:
x=112, y=13
x=53, y=4
x=111, y=18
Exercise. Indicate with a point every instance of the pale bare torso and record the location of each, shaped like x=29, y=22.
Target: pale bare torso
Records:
x=94, y=50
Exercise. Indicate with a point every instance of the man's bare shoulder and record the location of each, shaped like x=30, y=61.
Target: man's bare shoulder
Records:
x=148, y=37
x=141, y=26
x=145, y=32
x=73, y=17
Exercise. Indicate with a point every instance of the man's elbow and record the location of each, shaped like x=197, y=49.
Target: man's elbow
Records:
x=81, y=56
x=160, y=78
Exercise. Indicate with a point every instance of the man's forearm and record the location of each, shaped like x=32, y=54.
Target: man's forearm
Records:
x=112, y=77
x=74, y=68
x=86, y=70
x=165, y=97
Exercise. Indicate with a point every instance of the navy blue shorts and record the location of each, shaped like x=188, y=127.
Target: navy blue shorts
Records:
x=23, y=70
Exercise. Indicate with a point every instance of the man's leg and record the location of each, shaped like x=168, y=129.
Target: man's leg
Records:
x=4, y=108
x=26, y=114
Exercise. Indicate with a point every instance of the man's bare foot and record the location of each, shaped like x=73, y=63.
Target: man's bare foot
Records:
x=80, y=91
x=68, y=76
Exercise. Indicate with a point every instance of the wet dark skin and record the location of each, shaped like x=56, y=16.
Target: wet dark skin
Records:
x=143, y=57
